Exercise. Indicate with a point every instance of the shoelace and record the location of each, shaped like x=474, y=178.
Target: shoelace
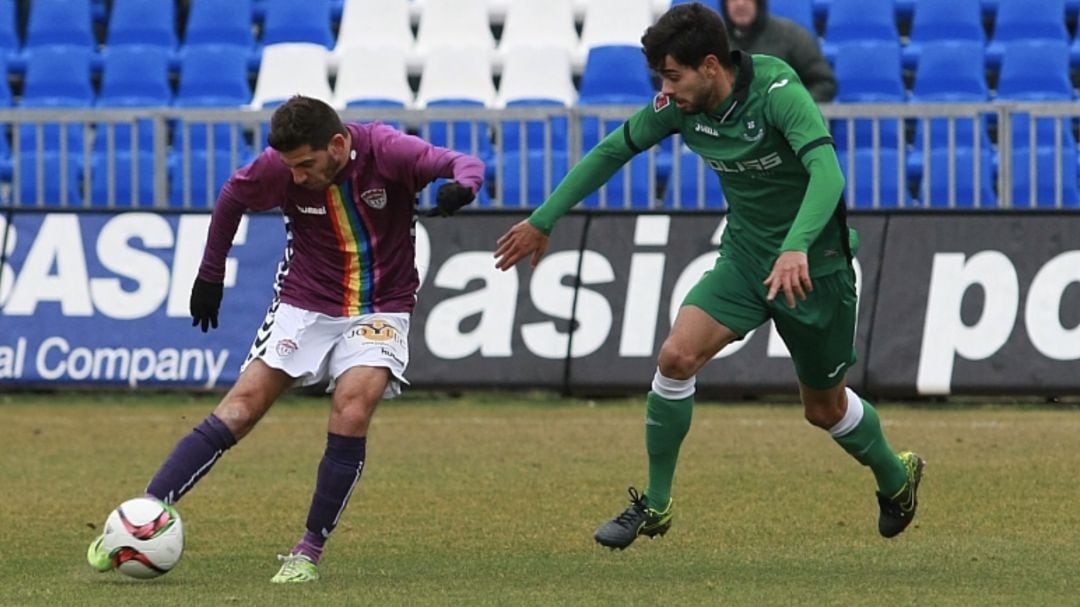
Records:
x=292, y=560
x=629, y=517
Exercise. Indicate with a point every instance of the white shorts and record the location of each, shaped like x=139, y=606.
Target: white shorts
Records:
x=314, y=347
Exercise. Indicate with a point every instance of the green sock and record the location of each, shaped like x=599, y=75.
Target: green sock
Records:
x=666, y=424
x=868, y=445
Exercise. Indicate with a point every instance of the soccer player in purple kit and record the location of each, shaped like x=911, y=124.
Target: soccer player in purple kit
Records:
x=344, y=293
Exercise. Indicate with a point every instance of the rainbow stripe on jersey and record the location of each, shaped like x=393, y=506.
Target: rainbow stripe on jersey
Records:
x=354, y=242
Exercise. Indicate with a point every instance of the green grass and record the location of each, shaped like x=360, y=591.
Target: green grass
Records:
x=492, y=500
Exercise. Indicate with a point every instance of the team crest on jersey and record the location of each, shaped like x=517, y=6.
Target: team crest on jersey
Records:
x=660, y=102
x=750, y=135
x=375, y=198
x=286, y=347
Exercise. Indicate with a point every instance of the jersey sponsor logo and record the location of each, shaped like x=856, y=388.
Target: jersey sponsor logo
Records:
x=285, y=347
x=312, y=210
x=704, y=128
x=777, y=85
x=751, y=125
x=375, y=198
x=376, y=330
x=765, y=163
x=660, y=102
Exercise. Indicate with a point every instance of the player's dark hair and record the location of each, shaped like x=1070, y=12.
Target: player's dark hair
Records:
x=303, y=121
x=689, y=33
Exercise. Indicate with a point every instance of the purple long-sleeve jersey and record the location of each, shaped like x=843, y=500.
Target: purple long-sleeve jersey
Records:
x=350, y=249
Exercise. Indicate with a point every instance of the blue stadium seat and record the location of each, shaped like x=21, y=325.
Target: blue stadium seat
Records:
x=201, y=196
x=533, y=191
x=1035, y=70
x=1046, y=190
x=799, y=11
x=220, y=23
x=934, y=189
x=935, y=20
x=890, y=180
x=212, y=76
x=145, y=22
x=123, y=165
x=852, y=20
x=868, y=72
x=297, y=21
x=9, y=34
x=616, y=75
x=1025, y=20
x=5, y=103
x=51, y=190
x=135, y=76
x=949, y=71
x=60, y=22
x=713, y=4
x=698, y=185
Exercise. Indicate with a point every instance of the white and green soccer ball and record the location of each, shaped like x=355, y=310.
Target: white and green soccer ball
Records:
x=144, y=538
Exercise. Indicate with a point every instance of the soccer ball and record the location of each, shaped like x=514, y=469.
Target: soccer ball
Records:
x=144, y=538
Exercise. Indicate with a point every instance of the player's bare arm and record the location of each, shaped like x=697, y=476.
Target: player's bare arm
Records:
x=520, y=240
x=791, y=276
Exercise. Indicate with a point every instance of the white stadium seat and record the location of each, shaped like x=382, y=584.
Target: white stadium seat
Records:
x=369, y=75
x=292, y=68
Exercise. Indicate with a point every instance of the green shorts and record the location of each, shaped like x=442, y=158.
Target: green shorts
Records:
x=819, y=332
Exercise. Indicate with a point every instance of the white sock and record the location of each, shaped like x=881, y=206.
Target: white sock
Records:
x=852, y=416
x=673, y=389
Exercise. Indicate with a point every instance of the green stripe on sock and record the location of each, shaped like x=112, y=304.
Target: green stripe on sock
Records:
x=666, y=425
x=868, y=445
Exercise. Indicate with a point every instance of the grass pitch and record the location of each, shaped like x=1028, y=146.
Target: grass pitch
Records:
x=492, y=500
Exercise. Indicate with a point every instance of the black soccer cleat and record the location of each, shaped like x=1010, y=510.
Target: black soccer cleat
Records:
x=898, y=511
x=637, y=519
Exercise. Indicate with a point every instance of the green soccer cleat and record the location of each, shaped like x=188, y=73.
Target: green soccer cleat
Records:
x=298, y=568
x=898, y=511
x=98, y=557
x=637, y=519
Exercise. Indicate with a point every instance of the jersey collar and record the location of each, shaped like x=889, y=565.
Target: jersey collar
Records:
x=741, y=89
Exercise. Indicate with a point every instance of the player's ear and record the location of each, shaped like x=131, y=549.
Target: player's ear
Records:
x=338, y=143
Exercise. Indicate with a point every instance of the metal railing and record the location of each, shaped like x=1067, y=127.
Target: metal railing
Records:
x=942, y=155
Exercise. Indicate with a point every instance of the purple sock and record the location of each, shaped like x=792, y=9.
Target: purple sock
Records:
x=339, y=471
x=191, y=459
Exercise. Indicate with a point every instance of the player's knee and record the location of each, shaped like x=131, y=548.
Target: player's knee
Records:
x=352, y=417
x=823, y=413
x=677, y=362
x=241, y=411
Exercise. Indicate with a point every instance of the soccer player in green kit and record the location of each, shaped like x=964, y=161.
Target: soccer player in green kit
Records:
x=785, y=255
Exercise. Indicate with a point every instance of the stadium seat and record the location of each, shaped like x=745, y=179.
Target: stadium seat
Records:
x=123, y=165
x=935, y=20
x=212, y=76
x=539, y=24
x=1025, y=20
x=297, y=21
x=882, y=171
x=289, y=69
x=448, y=24
x=5, y=131
x=698, y=185
x=934, y=188
x=713, y=4
x=458, y=77
x=951, y=72
x=9, y=34
x=213, y=22
x=852, y=20
x=616, y=75
x=532, y=189
x=188, y=186
x=373, y=24
x=1035, y=70
x=60, y=22
x=799, y=11
x=868, y=72
x=372, y=76
x=135, y=76
x=1046, y=176
x=144, y=22
x=537, y=72
x=52, y=189
x=612, y=23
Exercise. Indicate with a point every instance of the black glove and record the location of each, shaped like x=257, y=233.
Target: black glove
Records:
x=451, y=197
x=205, y=301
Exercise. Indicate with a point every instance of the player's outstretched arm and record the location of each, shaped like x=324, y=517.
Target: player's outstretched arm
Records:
x=520, y=240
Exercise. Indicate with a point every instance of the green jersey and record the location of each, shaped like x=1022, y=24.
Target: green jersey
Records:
x=770, y=147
